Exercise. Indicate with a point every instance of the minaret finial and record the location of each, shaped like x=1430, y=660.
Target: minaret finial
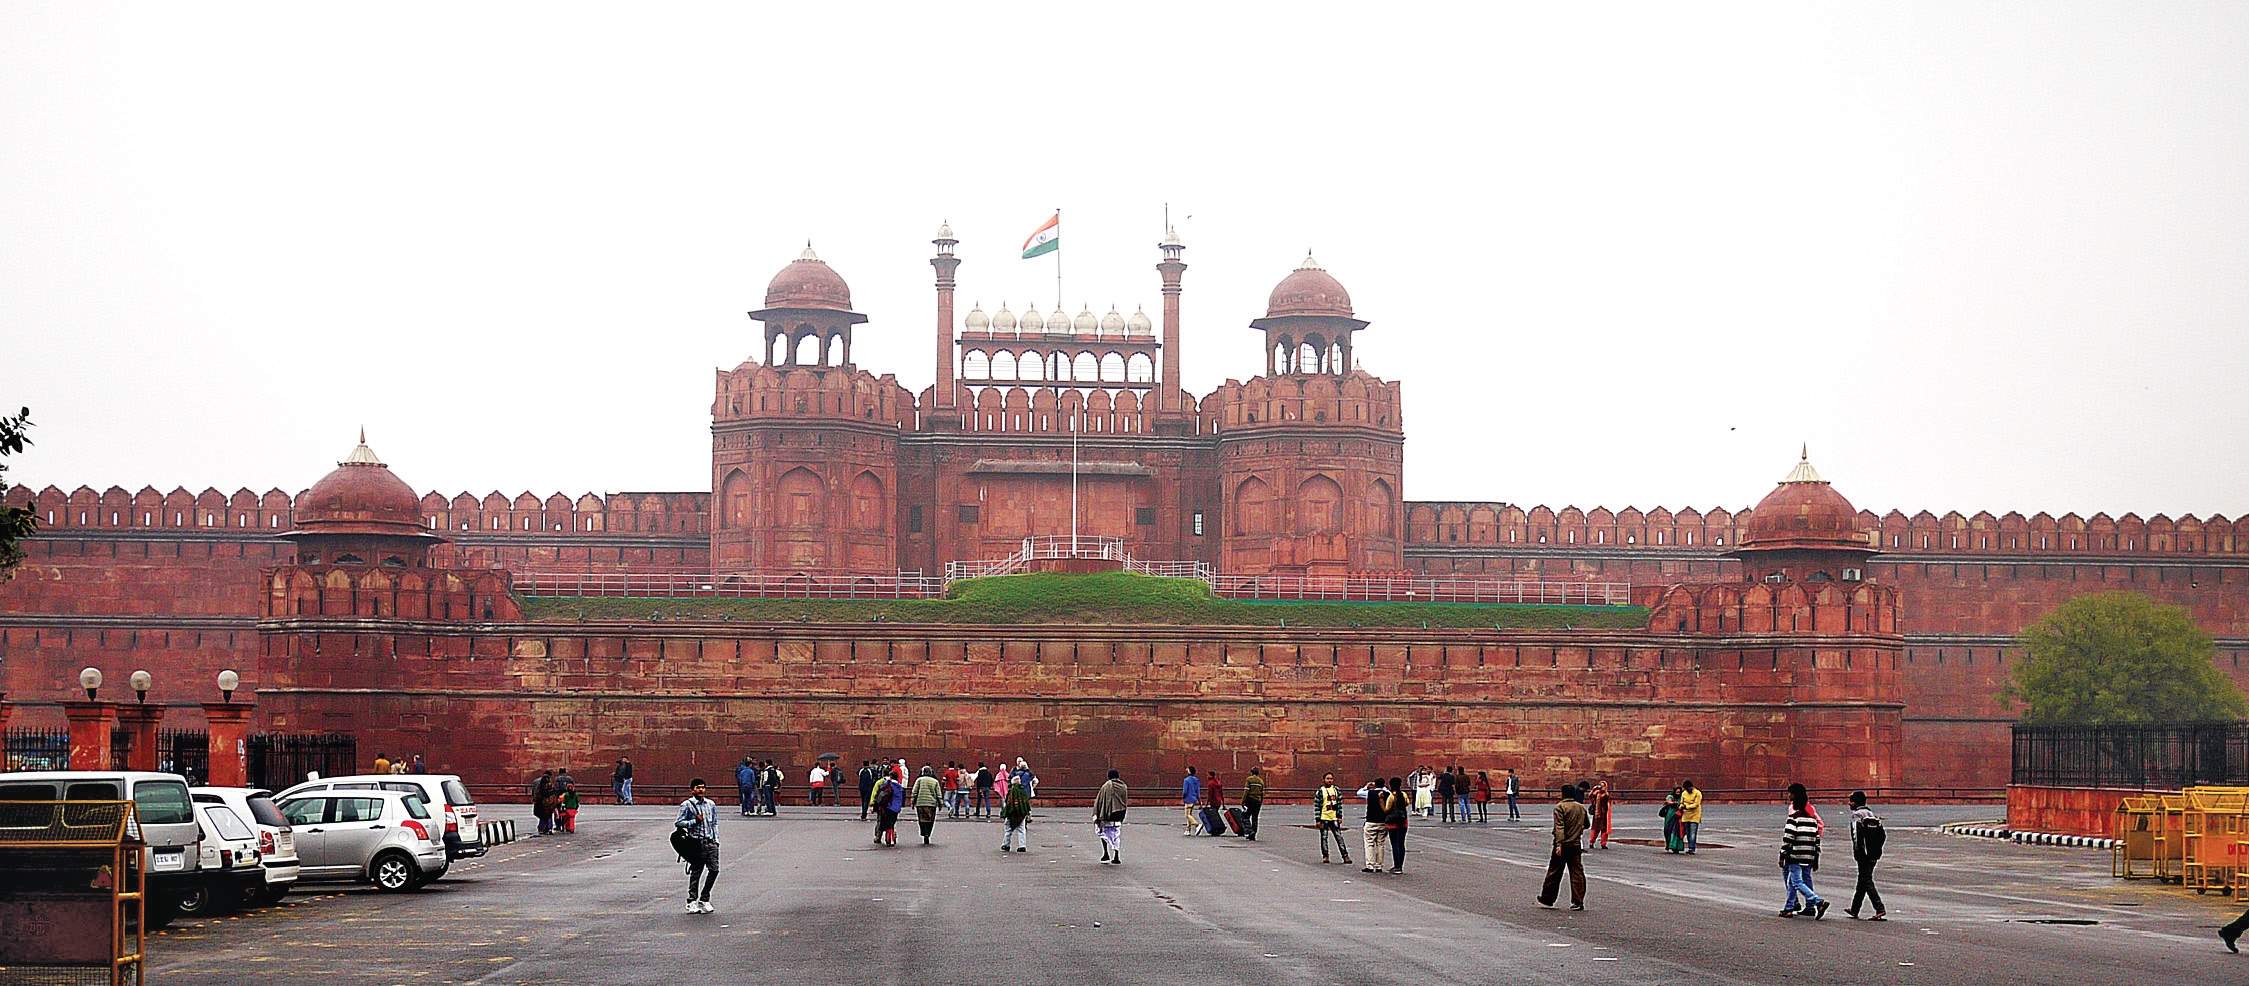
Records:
x=1804, y=452
x=362, y=434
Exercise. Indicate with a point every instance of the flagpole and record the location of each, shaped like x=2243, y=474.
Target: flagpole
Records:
x=1058, y=270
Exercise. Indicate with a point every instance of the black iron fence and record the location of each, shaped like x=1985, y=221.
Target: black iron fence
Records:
x=36, y=749
x=278, y=760
x=2169, y=756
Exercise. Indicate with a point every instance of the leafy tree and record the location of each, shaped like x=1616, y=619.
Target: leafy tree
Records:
x=2121, y=658
x=16, y=523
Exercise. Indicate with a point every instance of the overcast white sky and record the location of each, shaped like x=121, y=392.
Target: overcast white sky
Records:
x=1979, y=256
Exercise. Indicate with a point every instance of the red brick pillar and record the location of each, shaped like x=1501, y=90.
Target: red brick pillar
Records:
x=90, y=726
x=230, y=742
x=5, y=709
x=140, y=723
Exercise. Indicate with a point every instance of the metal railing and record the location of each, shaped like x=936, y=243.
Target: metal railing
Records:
x=797, y=585
x=278, y=760
x=1354, y=588
x=2171, y=756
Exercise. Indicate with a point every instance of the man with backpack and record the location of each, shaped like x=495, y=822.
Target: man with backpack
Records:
x=1867, y=837
x=1327, y=813
x=1253, y=799
x=695, y=838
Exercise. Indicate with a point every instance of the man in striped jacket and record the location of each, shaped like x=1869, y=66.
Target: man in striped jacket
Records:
x=1800, y=855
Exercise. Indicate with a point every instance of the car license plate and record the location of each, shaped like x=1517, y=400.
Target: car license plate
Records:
x=164, y=861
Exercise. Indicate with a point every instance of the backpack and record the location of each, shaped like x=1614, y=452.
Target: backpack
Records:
x=1870, y=837
x=687, y=846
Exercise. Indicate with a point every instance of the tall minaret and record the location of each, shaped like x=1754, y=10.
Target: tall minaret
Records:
x=1171, y=268
x=946, y=264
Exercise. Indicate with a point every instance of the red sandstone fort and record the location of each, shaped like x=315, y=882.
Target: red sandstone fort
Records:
x=1802, y=640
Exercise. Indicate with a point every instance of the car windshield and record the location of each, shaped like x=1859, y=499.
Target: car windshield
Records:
x=415, y=806
x=304, y=811
x=457, y=793
x=163, y=802
x=226, y=823
x=263, y=809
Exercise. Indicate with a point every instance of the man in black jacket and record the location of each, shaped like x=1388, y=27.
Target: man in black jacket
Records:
x=866, y=786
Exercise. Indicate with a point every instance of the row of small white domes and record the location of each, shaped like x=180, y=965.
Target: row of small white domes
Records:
x=1085, y=323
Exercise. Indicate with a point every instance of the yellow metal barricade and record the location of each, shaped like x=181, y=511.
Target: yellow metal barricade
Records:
x=2209, y=856
x=2133, y=856
x=2170, y=836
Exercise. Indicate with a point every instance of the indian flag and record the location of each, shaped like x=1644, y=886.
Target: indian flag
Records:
x=1044, y=240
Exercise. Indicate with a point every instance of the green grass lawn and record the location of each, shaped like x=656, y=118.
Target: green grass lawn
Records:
x=1104, y=597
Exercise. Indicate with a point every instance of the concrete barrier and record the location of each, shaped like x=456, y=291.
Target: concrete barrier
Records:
x=496, y=833
x=1975, y=831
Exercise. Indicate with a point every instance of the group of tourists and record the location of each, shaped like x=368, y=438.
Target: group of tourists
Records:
x=1583, y=817
x=886, y=791
x=758, y=785
x=1802, y=831
x=387, y=764
x=554, y=801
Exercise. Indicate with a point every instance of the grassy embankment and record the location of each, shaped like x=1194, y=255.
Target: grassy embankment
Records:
x=1106, y=597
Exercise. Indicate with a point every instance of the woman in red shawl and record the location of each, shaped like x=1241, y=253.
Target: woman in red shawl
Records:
x=1604, y=815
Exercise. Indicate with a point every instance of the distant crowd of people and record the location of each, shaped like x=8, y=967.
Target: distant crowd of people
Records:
x=1583, y=818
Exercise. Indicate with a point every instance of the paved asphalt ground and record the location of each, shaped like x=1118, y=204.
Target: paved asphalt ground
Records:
x=806, y=899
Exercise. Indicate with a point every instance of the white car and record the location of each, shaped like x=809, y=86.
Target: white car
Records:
x=277, y=845
x=388, y=838
x=444, y=793
x=231, y=873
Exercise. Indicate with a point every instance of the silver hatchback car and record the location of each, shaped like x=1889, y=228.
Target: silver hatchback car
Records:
x=388, y=838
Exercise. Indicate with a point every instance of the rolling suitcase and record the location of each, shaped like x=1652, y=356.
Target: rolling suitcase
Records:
x=1211, y=824
x=1236, y=819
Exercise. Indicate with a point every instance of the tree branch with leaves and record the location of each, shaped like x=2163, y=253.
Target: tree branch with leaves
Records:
x=16, y=523
x=2117, y=658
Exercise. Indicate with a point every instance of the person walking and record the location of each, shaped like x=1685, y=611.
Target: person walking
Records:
x=1690, y=814
x=1214, y=804
x=542, y=787
x=1376, y=830
x=816, y=781
x=1394, y=823
x=1570, y=823
x=1867, y=836
x=866, y=787
x=1483, y=796
x=2231, y=933
x=1444, y=794
x=1800, y=855
x=1253, y=798
x=1672, y=841
x=418, y=767
x=745, y=786
x=1327, y=816
x=929, y=793
x=697, y=842
x=983, y=790
x=382, y=763
x=1603, y=811
x=950, y=780
x=1109, y=816
x=1191, y=799
x=889, y=799
x=621, y=780
x=1424, y=790
x=1514, y=790
x=1017, y=814
x=1460, y=790
x=1023, y=775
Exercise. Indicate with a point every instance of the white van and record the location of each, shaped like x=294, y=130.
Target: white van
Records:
x=173, y=863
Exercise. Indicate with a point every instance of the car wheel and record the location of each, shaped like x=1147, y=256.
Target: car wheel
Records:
x=394, y=872
x=197, y=900
x=273, y=893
